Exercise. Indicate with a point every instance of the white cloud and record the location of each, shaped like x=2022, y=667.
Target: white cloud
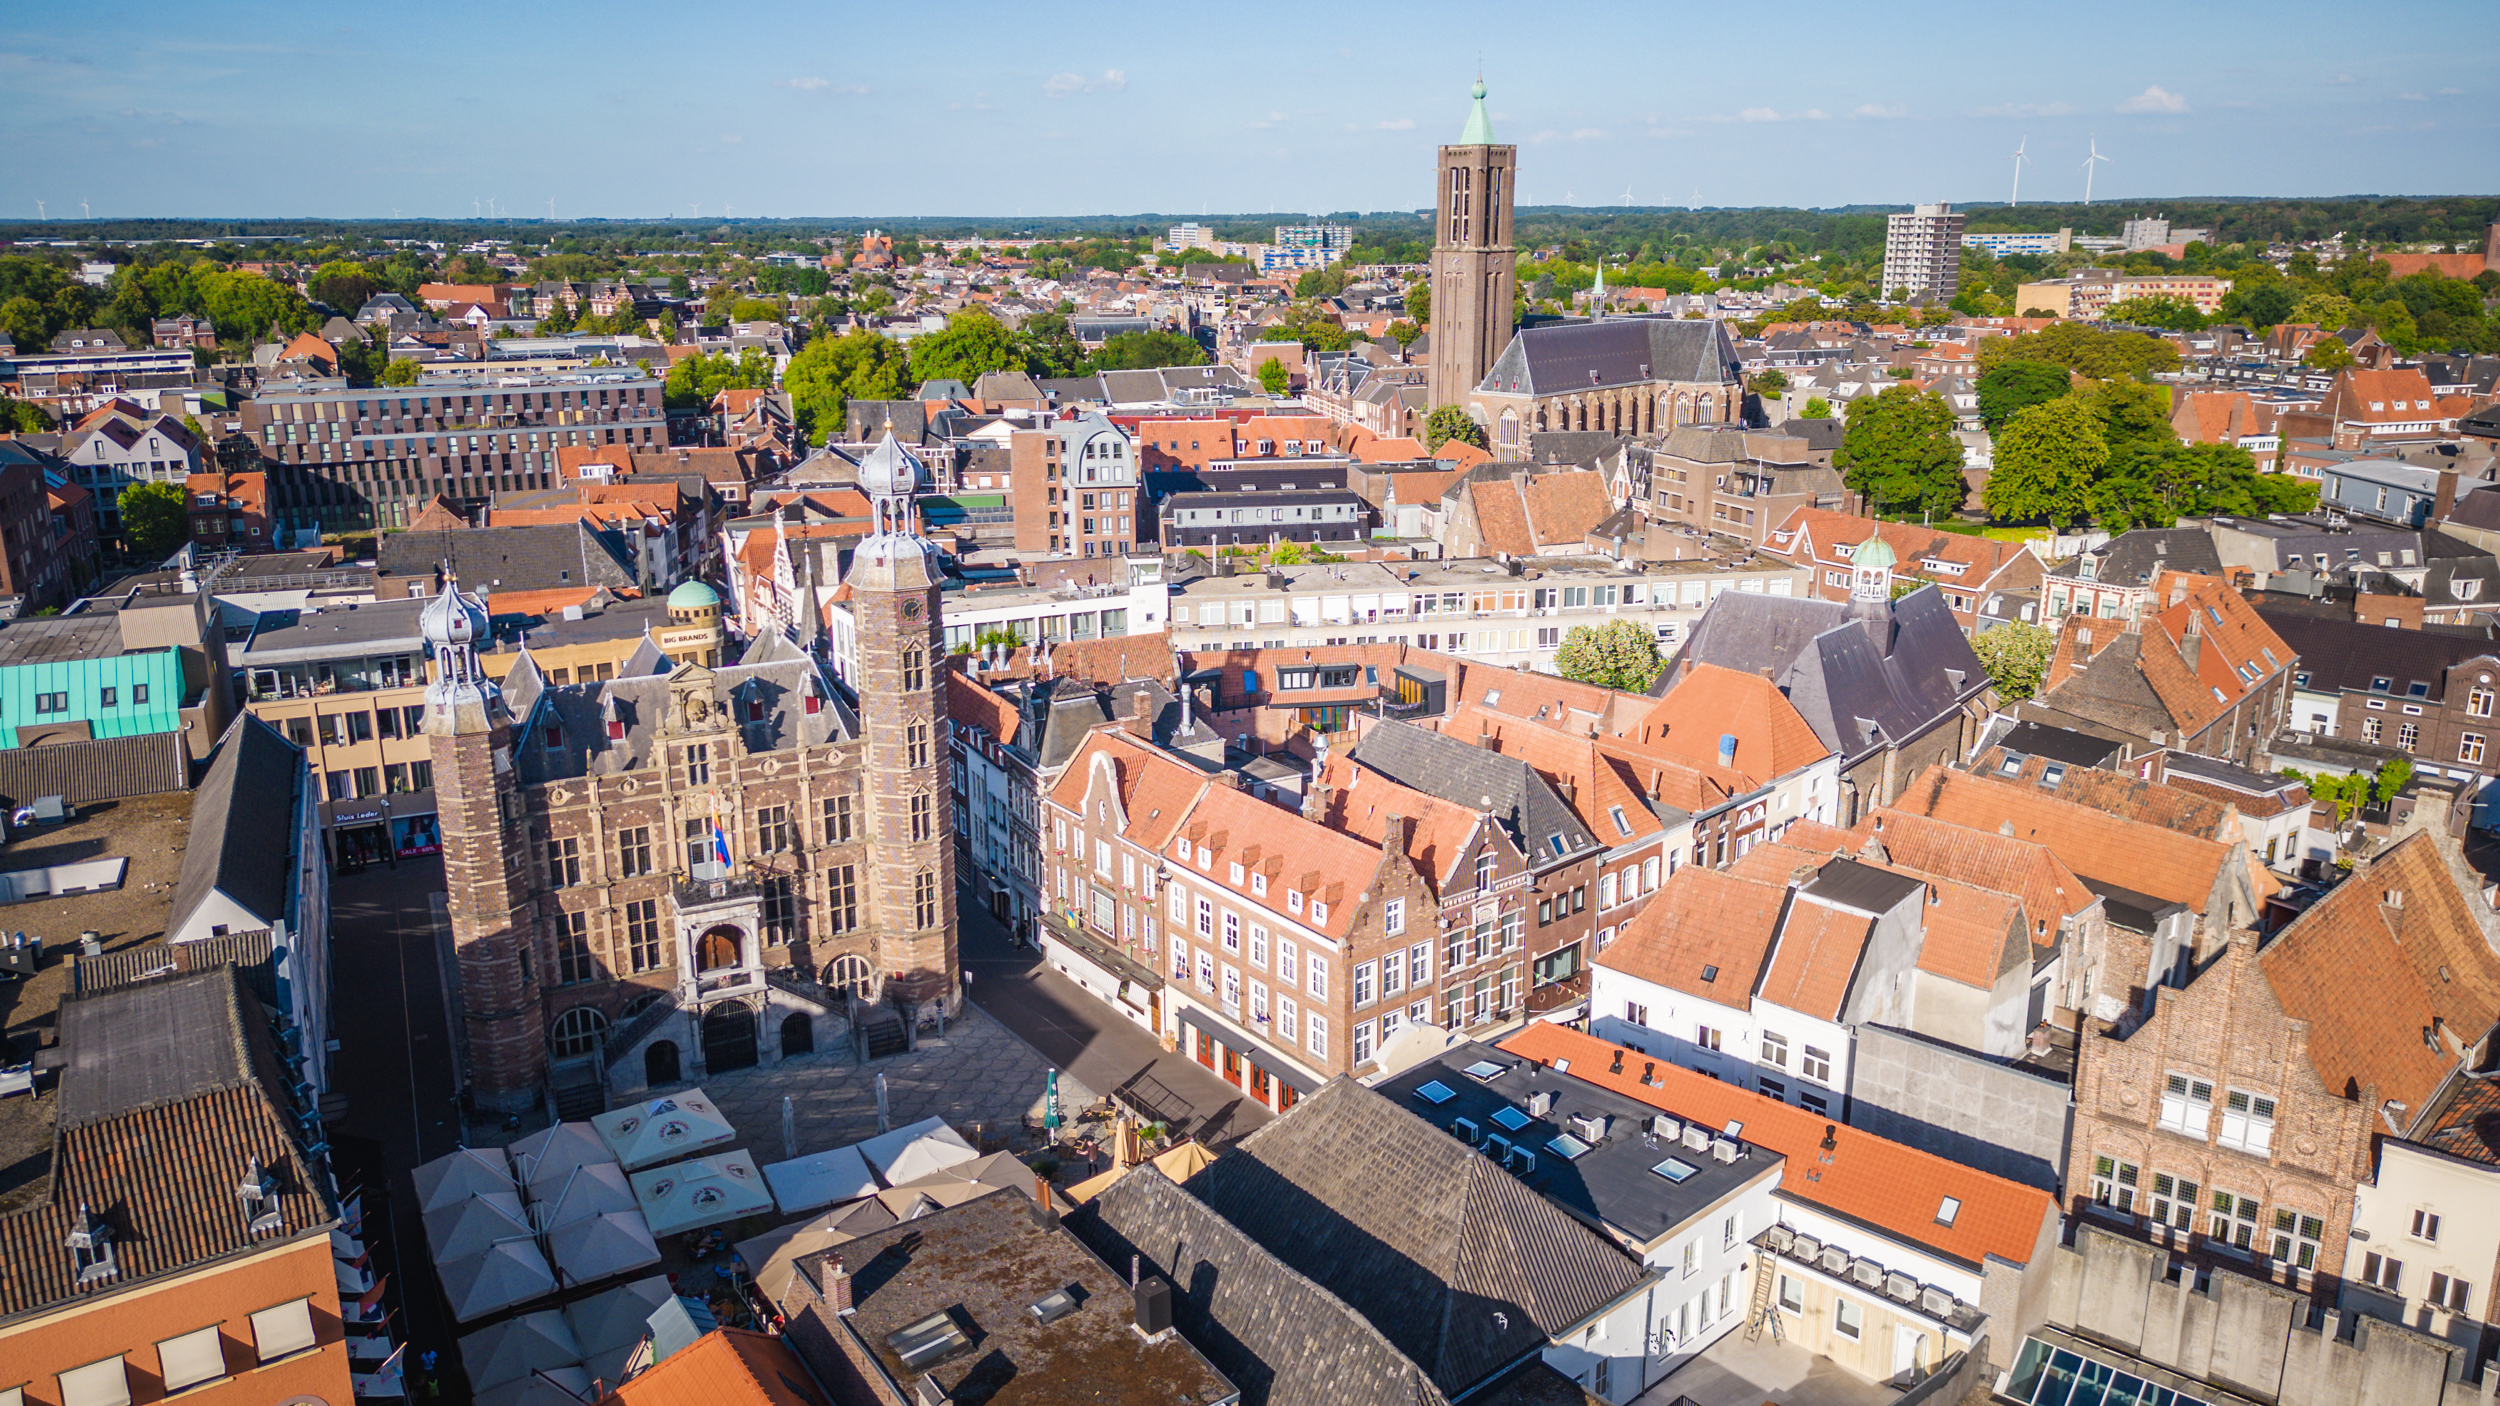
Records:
x=2155, y=99
x=2411, y=98
x=1589, y=134
x=1273, y=119
x=2027, y=110
x=2451, y=93
x=1879, y=110
x=1061, y=85
x=1396, y=124
x=732, y=138
x=819, y=85
x=1770, y=114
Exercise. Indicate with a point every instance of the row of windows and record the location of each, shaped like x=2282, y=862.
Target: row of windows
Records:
x=2231, y=1221
x=188, y=1359
x=108, y=697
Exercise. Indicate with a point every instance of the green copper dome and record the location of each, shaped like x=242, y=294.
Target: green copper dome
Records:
x=1874, y=553
x=693, y=595
x=1479, y=127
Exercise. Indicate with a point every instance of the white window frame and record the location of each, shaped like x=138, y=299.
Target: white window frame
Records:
x=2248, y=1122
x=2187, y=1104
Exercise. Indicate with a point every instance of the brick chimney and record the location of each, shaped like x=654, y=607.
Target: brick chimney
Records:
x=2446, y=503
x=1398, y=834
x=837, y=1286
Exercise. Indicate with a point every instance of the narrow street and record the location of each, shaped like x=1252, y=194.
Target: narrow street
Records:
x=1102, y=1050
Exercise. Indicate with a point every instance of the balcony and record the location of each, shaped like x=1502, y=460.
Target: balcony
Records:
x=709, y=885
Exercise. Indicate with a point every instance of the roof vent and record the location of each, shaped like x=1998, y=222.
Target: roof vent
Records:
x=1052, y=1307
x=927, y=1392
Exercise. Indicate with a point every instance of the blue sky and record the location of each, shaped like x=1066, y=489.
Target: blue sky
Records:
x=631, y=109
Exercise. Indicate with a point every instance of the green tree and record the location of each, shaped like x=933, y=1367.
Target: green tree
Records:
x=973, y=342
x=830, y=372
x=1321, y=283
x=1306, y=323
x=2091, y=350
x=1816, y=408
x=2047, y=458
x=344, y=285
x=1770, y=385
x=1899, y=452
x=2009, y=386
x=2158, y=310
x=20, y=417
x=2016, y=656
x=2328, y=353
x=1620, y=654
x=692, y=383
x=1419, y=302
x=1138, y=351
x=2330, y=312
x=1451, y=422
x=1050, y=345
x=402, y=371
x=156, y=517
x=2133, y=415
x=1403, y=332
x=1273, y=377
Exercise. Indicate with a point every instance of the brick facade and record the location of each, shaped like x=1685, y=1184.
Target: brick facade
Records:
x=494, y=935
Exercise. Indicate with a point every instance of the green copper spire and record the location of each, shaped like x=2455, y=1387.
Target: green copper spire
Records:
x=1479, y=127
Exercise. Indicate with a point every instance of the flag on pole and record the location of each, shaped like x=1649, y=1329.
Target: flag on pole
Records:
x=1050, y=1103
x=373, y=1296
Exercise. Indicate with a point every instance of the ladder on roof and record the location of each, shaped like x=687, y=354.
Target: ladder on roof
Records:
x=1764, y=1312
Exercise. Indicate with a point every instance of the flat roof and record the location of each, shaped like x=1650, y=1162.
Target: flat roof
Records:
x=1632, y=1182
x=624, y=619
x=59, y=639
x=341, y=632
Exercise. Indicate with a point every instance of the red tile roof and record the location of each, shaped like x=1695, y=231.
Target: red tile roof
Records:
x=1699, y=920
x=1897, y=1189
x=1815, y=959
x=2095, y=844
x=969, y=703
x=725, y=1367
x=1710, y=704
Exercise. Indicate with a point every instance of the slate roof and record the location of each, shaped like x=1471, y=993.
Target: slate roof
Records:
x=1430, y=1237
x=2344, y=654
x=1520, y=799
x=1857, y=680
x=528, y=558
x=1566, y=357
x=181, y=1063
x=2135, y=558
x=240, y=824
x=1281, y=1338
x=773, y=675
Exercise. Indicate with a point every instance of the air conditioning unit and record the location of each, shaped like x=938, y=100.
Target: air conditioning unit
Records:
x=1779, y=1238
x=1937, y=1303
x=1666, y=1127
x=1899, y=1287
x=1834, y=1259
x=1806, y=1247
x=1540, y=1103
x=1725, y=1150
x=1589, y=1127
x=1866, y=1272
x=1696, y=1138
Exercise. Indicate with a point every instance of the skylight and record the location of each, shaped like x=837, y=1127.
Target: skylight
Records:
x=1675, y=1169
x=1946, y=1212
x=1485, y=1071
x=1435, y=1093
x=1567, y=1147
x=1511, y=1118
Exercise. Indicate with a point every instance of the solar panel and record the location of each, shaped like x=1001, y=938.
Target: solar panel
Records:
x=1435, y=1092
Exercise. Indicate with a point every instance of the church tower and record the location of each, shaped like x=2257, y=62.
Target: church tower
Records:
x=1472, y=268
x=494, y=932
x=910, y=874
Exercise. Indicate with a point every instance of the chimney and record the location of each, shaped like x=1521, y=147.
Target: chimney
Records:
x=2446, y=503
x=1399, y=835
x=838, y=1287
x=1727, y=749
x=1568, y=789
x=1045, y=1210
x=2192, y=648
x=1315, y=801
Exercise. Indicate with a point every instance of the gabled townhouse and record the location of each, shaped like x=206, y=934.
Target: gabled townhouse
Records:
x=2113, y=580
x=2427, y=695
x=2171, y=900
x=1512, y=512
x=1741, y=733
x=2231, y=1118
x=2199, y=671
x=119, y=444
x=2226, y=417
x=1965, y=568
x=1891, y=686
x=2424, y=1249
x=2370, y=407
x=1883, y=1258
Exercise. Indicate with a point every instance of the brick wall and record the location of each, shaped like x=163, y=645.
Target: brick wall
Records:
x=494, y=936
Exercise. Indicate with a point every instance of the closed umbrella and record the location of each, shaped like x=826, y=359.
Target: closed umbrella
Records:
x=548, y=1386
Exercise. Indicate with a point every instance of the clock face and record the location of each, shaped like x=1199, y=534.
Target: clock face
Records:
x=911, y=610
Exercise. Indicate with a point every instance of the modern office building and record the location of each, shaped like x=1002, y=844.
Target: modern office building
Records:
x=2001, y=243
x=1923, y=254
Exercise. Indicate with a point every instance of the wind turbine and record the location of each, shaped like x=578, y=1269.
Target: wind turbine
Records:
x=2019, y=161
x=551, y=207
x=83, y=212
x=476, y=207
x=2088, y=163
x=40, y=214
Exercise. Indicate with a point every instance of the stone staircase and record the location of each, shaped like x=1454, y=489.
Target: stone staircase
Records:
x=877, y=1031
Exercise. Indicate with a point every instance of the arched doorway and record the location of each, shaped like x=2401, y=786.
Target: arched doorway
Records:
x=718, y=948
x=728, y=1037
x=659, y=1063
x=798, y=1034
x=577, y=1032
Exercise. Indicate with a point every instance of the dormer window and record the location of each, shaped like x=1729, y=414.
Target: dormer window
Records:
x=1237, y=875
x=90, y=1244
x=258, y=1193
x=1258, y=885
x=1184, y=847
x=1293, y=900
x=1319, y=912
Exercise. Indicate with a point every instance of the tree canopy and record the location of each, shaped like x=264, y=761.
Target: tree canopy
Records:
x=2016, y=655
x=830, y=372
x=156, y=519
x=1620, y=654
x=2010, y=386
x=2093, y=351
x=1900, y=454
x=2047, y=457
x=1451, y=422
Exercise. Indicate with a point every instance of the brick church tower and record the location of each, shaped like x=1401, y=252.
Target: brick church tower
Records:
x=1473, y=270
x=486, y=874
x=902, y=706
